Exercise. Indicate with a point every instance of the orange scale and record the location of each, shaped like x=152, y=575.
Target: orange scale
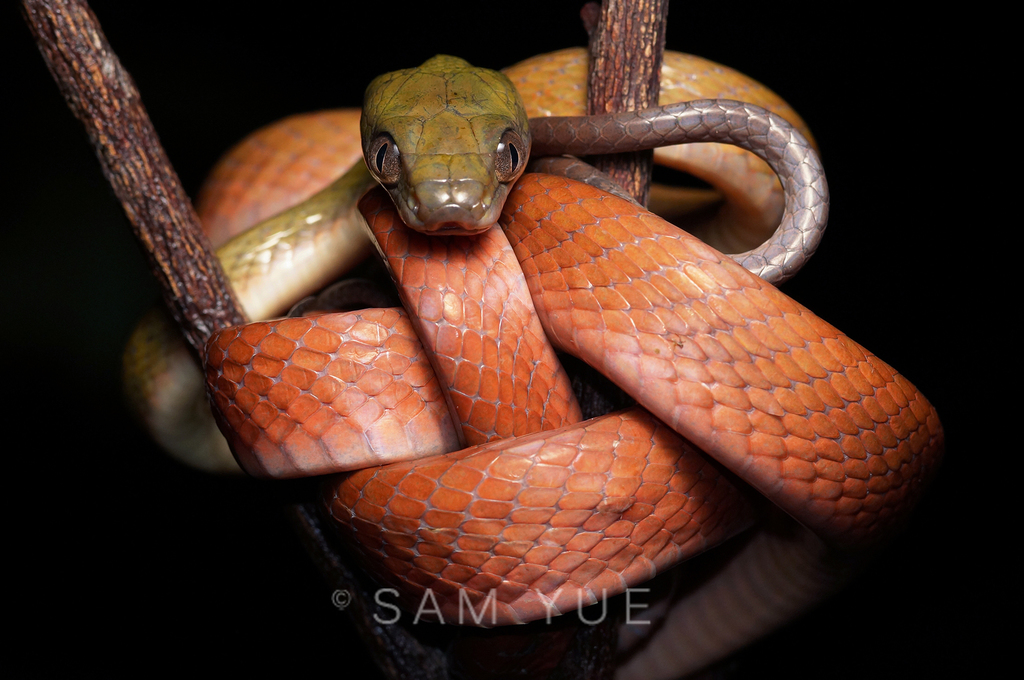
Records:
x=737, y=351
x=399, y=540
x=875, y=411
x=801, y=327
x=253, y=333
x=861, y=419
x=400, y=524
x=659, y=495
x=325, y=389
x=474, y=543
x=525, y=574
x=483, y=527
x=640, y=571
x=482, y=415
x=368, y=511
x=545, y=477
x=887, y=403
x=218, y=343
x=898, y=457
x=826, y=490
x=433, y=565
x=513, y=548
x=443, y=537
x=781, y=329
x=637, y=512
x=490, y=509
x=621, y=561
x=798, y=447
x=266, y=365
x=240, y=352
x=263, y=413
x=366, y=416
x=346, y=403
x=823, y=427
x=497, y=489
x=829, y=449
x=231, y=375
x=260, y=384
x=604, y=584
x=750, y=342
x=807, y=363
x=522, y=534
x=399, y=398
x=299, y=447
x=658, y=473
x=542, y=554
x=657, y=543
x=609, y=548
x=281, y=395
x=771, y=427
x=482, y=582
x=684, y=528
x=585, y=574
x=580, y=501
x=252, y=435
x=798, y=470
x=321, y=341
x=531, y=515
x=276, y=346
x=822, y=355
x=441, y=519
x=570, y=518
x=828, y=470
x=500, y=565
x=470, y=559
x=417, y=487
x=878, y=372
x=857, y=378
x=293, y=328
x=303, y=407
x=855, y=488
x=406, y=507
x=423, y=578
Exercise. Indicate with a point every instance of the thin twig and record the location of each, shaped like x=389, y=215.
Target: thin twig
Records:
x=101, y=94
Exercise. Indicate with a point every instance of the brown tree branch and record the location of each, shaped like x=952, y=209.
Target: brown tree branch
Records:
x=627, y=42
x=101, y=94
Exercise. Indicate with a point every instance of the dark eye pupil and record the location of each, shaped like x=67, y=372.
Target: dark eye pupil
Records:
x=382, y=152
x=513, y=154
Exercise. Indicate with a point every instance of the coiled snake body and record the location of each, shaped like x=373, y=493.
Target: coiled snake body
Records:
x=543, y=514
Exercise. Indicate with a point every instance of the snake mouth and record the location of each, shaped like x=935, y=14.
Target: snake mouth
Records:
x=464, y=206
x=450, y=218
x=454, y=229
x=455, y=220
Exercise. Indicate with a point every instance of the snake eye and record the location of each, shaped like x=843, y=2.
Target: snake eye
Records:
x=384, y=160
x=510, y=157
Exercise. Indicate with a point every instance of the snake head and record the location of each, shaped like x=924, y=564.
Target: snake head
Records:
x=447, y=140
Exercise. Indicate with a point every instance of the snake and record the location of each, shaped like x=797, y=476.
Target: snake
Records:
x=467, y=475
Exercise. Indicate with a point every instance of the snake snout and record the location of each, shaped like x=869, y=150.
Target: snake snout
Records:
x=462, y=206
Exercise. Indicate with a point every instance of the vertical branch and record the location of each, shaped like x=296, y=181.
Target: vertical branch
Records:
x=101, y=94
x=627, y=41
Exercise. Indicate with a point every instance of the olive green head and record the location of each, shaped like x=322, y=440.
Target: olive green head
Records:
x=446, y=140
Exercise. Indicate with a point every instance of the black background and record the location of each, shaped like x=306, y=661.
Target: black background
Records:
x=119, y=553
